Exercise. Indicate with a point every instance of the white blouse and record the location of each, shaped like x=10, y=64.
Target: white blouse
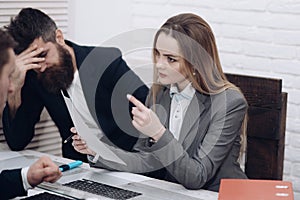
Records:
x=179, y=104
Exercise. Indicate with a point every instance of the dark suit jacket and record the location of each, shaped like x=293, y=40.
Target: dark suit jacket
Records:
x=208, y=145
x=100, y=71
x=11, y=184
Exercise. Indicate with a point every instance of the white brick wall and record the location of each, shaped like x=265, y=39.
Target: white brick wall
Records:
x=255, y=37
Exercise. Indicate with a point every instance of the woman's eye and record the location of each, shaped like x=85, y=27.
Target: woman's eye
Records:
x=171, y=60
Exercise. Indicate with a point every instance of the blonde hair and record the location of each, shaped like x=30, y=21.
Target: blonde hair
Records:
x=201, y=63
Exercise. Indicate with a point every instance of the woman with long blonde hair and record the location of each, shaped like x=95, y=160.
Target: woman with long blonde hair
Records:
x=193, y=119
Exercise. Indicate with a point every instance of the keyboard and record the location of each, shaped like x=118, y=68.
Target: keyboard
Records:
x=102, y=189
x=46, y=196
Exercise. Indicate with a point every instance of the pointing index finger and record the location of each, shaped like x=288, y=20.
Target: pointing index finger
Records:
x=136, y=102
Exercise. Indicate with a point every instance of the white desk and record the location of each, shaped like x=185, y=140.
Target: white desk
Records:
x=157, y=188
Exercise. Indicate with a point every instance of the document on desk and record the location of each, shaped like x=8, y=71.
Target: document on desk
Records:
x=249, y=189
x=90, y=136
x=8, y=155
x=17, y=161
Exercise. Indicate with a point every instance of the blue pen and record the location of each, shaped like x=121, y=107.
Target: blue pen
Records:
x=71, y=165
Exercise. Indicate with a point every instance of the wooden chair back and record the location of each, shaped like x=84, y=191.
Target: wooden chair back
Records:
x=266, y=125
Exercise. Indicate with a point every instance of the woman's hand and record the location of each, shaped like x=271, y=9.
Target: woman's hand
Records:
x=145, y=120
x=79, y=144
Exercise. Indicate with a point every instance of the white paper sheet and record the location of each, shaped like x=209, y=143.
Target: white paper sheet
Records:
x=90, y=136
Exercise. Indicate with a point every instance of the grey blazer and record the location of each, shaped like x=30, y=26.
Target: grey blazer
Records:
x=207, y=149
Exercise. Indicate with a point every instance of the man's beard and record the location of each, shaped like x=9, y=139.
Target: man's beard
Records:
x=58, y=77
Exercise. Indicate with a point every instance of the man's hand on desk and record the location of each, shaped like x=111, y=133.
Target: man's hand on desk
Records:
x=44, y=169
x=79, y=144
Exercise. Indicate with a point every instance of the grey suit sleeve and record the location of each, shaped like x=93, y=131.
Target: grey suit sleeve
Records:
x=136, y=162
x=193, y=171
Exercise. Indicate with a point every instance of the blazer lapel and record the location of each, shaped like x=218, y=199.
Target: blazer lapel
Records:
x=193, y=113
x=163, y=108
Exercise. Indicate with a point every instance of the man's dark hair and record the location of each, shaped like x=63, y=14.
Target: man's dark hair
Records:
x=6, y=42
x=30, y=24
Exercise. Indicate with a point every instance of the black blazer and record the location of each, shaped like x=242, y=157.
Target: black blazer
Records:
x=102, y=73
x=11, y=184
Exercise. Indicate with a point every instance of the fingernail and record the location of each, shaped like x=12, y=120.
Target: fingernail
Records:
x=128, y=96
x=73, y=130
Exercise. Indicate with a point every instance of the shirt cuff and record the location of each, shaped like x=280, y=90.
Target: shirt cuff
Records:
x=93, y=159
x=26, y=185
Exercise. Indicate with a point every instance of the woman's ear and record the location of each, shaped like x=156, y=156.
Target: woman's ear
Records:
x=59, y=37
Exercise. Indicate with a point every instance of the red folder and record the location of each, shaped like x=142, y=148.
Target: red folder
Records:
x=246, y=189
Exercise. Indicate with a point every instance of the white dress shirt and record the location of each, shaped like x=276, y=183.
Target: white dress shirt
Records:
x=24, y=172
x=179, y=104
x=77, y=103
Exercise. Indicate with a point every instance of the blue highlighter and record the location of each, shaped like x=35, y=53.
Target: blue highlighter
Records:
x=69, y=166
